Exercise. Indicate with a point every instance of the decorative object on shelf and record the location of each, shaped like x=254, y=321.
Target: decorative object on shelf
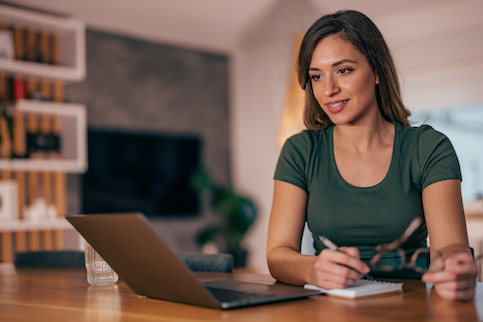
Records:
x=6, y=128
x=6, y=44
x=8, y=200
x=237, y=215
x=39, y=209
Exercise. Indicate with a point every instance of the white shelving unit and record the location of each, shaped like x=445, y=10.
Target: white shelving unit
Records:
x=71, y=34
x=73, y=138
x=71, y=67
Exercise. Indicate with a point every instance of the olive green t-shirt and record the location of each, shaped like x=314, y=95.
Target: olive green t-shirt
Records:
x=369, y=216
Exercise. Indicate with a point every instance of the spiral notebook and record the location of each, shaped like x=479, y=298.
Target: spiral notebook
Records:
x=361, y=288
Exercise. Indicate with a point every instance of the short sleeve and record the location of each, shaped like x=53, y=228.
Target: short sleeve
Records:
x=292, y=161
x=437, y=157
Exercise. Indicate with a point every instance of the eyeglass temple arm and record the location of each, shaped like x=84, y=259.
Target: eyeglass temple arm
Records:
x=396, y=243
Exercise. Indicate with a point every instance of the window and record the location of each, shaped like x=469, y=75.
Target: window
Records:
x=463, y=125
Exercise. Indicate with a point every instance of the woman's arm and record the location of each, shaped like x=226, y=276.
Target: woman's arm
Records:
x=285, y=230
x=445, y=219
x=285, y=261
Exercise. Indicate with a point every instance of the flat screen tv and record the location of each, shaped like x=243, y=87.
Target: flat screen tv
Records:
x=144, y=172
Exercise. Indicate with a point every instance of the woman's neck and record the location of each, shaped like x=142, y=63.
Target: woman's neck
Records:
x=364, y=137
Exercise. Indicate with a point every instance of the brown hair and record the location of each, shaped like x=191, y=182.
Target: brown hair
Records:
x=363, y=34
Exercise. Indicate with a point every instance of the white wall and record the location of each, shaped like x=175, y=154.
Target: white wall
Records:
x=260, y=73
x=440, y=57
x=439, y=52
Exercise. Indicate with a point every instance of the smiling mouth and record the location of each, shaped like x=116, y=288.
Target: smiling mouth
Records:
x=337, y=104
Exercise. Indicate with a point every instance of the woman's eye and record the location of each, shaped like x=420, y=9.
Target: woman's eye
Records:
x=344, y=70
x=315, y=77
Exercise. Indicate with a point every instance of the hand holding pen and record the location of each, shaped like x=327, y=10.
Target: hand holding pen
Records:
x=330, y=245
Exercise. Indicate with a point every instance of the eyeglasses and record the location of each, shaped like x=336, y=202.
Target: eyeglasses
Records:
x=419, y=260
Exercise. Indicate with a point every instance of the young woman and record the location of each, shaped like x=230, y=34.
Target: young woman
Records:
x=360, y=174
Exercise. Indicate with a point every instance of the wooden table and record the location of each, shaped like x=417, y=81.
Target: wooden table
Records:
x=47, y=294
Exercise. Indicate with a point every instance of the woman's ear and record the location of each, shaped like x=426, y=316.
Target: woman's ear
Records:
x=377, y=79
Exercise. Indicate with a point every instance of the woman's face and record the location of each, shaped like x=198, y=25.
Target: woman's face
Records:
x=343, y=81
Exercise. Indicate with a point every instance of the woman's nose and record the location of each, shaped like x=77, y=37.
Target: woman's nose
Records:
x=330, y=86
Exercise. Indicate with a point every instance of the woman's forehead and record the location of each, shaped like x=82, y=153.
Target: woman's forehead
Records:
x=332, y=50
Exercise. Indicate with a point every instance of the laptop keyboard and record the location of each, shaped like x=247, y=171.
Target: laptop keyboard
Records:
x=224, y=295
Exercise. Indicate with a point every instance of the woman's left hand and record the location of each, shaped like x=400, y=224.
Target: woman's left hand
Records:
x=457, y=279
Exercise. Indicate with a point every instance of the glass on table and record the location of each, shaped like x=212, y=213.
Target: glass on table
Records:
x=98, y=270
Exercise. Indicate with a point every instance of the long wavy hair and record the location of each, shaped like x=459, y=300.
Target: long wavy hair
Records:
x=364, y=35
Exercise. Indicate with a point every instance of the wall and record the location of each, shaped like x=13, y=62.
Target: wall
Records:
x=439, y=55
x=142, y=86
x=260, y=76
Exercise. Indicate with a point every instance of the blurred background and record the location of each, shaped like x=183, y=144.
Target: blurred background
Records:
x=217, y=76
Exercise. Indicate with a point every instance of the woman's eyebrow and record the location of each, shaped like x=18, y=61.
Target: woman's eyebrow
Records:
x=340, y=62
x=343, y=61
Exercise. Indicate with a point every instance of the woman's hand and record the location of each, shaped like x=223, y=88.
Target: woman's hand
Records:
x=338, y=269
x=456, y=277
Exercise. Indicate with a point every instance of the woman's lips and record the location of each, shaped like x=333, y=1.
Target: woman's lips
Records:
x=335, y=107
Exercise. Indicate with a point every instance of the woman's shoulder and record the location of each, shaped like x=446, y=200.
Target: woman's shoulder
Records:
x=422, y=134
x=424, y=142
x=310, y=136
x=307, y=142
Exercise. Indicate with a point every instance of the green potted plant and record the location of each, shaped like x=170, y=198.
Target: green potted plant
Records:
x=237, y=214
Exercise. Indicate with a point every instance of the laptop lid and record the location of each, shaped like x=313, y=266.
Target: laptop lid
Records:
x=146, y=264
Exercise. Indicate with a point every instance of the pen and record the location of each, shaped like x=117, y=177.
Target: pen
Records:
x=330, y=245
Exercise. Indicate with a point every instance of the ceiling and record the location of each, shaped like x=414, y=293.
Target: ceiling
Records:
x=219, y=25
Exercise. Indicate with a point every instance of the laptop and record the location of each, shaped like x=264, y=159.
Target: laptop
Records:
x=131, y=246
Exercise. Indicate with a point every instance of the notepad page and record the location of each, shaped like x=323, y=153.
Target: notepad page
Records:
x=362, y=288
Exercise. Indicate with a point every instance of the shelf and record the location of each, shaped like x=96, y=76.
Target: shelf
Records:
x=26, y=68
x=71, y=35
x=43, y=224
x=474, y=209
x=73, y=138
